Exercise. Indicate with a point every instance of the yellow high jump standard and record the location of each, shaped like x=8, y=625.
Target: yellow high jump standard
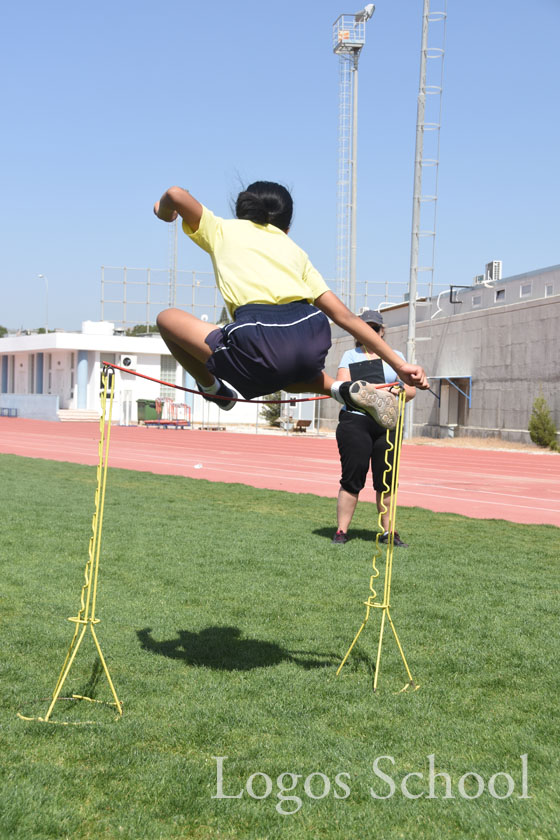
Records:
x=373, y=602
x=86, y=618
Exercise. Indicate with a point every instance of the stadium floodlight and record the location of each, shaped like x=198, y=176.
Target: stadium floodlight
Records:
x=42, y=277
x=365, y=14
x=349, y=37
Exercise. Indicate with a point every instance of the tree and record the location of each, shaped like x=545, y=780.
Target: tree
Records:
x=142, y=329
x=3, y=331
x=271, y=413
x=541, y=425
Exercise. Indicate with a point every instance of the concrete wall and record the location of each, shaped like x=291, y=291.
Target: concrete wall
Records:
x=32, y=406
x=510, y=352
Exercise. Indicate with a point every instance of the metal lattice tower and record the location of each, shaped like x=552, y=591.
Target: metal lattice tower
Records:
x=426, y=171
x=349, y=35
x=172, y=262
x=426, y=163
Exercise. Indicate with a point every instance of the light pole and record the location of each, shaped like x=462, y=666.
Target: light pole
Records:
x=348, y=39
x=42, y=277
x=360, y=18
x=422, y=228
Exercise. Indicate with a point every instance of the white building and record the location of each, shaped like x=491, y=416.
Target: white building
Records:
x=57, y=376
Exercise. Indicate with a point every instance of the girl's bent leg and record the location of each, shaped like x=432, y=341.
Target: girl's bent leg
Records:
x=185, y=337
x=320, y=385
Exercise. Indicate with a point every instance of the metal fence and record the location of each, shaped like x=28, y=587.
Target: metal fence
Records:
x=134, y=296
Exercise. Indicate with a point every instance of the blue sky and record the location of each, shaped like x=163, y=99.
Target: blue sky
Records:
x=105, y=105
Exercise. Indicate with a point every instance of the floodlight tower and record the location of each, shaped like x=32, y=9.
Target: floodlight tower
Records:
x=349, y=36
x=426, y=162
x=172, y=262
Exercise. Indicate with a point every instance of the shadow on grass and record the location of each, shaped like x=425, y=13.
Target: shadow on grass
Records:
x=89, y=689
x=223, y=649
x=368, y=535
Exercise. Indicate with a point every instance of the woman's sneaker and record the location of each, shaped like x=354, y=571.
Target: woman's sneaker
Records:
x=340, y=537
x=397, y=541
x=379, y=403
x=221, y=396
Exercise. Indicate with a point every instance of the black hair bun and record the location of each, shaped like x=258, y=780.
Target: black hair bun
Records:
x=252, y=207
x=265, y=202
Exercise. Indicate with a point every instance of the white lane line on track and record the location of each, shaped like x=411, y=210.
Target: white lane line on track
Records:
x=48, y=441
x=331, y=478
x=459, y=489
x=321, y=480
x=280, y=472
x=478, y=501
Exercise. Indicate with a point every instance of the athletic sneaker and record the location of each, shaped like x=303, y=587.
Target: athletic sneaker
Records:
x=340, y=538
x=223, y=391
x=379, y=403
x=397, y=541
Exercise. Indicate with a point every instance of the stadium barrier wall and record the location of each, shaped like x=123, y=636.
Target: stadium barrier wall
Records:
x=32, y=406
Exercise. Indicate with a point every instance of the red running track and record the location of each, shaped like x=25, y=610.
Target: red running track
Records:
x=480, y=483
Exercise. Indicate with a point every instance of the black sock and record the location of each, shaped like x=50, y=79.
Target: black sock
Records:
x=344, y=392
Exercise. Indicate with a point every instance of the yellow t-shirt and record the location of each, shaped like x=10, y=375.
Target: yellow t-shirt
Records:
x=255, y=263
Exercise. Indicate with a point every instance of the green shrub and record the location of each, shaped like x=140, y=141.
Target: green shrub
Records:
x=541, y=426
x=271, y=413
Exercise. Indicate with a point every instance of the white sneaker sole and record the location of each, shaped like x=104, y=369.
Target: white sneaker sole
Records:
x=379, y=403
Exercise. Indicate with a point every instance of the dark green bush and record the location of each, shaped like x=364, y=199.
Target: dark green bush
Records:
x=541, y=426
x=271, y=413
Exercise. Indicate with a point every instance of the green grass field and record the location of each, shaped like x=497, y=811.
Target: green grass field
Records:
x=225, y=611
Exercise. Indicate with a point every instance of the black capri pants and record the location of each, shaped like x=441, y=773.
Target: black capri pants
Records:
x=362, y=443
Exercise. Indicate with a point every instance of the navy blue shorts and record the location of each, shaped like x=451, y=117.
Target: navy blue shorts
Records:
x=269, y=347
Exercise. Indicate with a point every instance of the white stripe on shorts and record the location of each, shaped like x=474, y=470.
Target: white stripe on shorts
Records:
x=261, y=324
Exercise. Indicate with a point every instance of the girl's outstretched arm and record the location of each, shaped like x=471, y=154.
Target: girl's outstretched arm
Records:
x=333, y=307
x=178, y=202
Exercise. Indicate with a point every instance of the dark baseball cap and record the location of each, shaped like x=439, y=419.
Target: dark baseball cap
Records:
x=370, y=316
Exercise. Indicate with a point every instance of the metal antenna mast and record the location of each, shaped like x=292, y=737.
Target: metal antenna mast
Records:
x=426, y=169
x=172, y=261
x=349, y=36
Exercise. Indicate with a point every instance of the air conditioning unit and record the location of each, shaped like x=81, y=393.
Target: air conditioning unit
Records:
x=127, y=361
x=494, y=270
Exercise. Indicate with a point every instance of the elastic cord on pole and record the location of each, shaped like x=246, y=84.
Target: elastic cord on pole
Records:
x=229, y=399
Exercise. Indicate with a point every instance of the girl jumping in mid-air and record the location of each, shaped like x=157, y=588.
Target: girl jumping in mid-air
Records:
x=280, y=307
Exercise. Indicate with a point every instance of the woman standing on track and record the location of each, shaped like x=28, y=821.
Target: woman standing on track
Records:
x=362, y=442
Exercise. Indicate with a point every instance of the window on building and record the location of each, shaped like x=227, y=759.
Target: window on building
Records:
x=525, y=290
x=72, y=372
x=49, y=373
x=500, y=295
x=477, y=300
x=31, y=374
x=548, y=290
x=168, y=367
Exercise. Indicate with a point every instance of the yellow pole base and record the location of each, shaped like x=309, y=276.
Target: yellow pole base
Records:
x=88, y=599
